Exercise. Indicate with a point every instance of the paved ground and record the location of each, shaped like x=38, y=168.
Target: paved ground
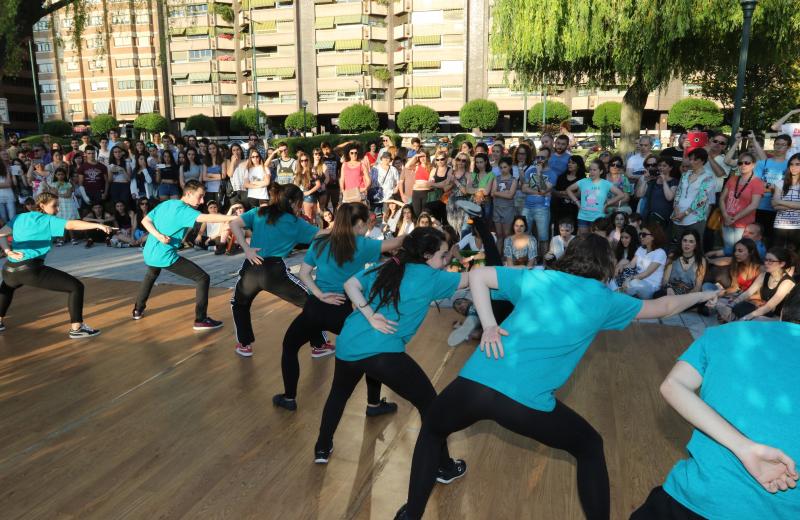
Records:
x=126, y=264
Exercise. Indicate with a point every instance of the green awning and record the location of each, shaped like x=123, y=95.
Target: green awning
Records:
x=325, y=46
x=347, y=45
x=400, y=66
x=199, y=77
x=268, y=26
x=257, y=3
x=433, y=39
x=400, y=93
x=324, y=1
x=279, y=72
x=196, y=31
x=224, y=30
x=324, y=22
x=371, y=45
x=182, y=75
x=427, y=64
x=426, y=92
x=227, y=76
x=177, y=31
x=349, y=70
x=346, y=19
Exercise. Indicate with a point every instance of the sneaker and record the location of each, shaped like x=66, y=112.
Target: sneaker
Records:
x=462, y=332
x=456, y=469
x=321, y=456
x=469, y=207
x=284, y=402
x=74, y=242
x=402, y=514
x=244, y=350
x=84, y=331
x=89, y=243
x=325, y=350
x=138, y=314
x=207, y=324
x=2, y=327
x=382, y=408
x=59, y=243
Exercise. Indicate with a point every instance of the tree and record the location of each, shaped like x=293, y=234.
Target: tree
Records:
x=556, y=113
x=418, y=118
x=479, y=113
x=607, y=117
x=245, y=120
x=358, y=118
x=202, y=124
x=103, y=124
x=639, y=44
x=151, y=123
x=294, y=121
x=57, y=128
x=691, y=112
x=460, y=138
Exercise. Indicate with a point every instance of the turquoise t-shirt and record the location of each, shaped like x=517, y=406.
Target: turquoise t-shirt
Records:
x=749, y=374
x=771, y=172
x=593, y=198
x=420, y=286
x=171, y=218
x=33, y=233
x=332, y=276
x=280, y=238
x=556, y=316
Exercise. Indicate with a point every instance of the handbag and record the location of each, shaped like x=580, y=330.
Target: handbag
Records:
x=714, y=222
x=351, y=195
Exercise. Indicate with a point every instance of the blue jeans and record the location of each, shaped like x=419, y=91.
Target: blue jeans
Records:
x=730, y=235
x=541, y=217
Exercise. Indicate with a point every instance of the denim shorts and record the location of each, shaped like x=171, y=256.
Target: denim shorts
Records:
x=168, y=190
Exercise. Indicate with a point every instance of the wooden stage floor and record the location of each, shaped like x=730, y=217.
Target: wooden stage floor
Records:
x=150, y=420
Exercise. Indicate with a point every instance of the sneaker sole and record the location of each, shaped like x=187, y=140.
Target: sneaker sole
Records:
x=443, y=481
x=327, y=353
x=203, y=329
x=84, y=337
x=244, y=354
x=319, y=460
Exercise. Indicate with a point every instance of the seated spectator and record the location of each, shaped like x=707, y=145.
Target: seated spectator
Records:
x=765, y=296
x=139, y=232
x=649, y=262
x=560, y=242
x=600, y=227
x=619, y=220
x=424, y=220
x=327, y=219
x=123, y=220
x=471, y=249
x=635, y=220
x=209, y=236
x=228, y=243
x=624, y=253
x=406, y=223
x=754, y=232
x=520, y=248
x=685, y=268
x=374, y=230
x=731, y=385
x=743, y=270
x=100, y=216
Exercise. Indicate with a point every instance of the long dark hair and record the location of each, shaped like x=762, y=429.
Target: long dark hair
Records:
x=580, y=171
x=282, y=200
x=123, y=156
x=628, y=253
x=342, y=238
x=755, y=259
x=588, y=256
x=420, y=242
x=698, y=249
x=209, y=158
x=787, y=176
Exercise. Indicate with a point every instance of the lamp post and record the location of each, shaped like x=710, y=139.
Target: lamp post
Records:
x=253, y=51
x=304, y=104
x=748, y=6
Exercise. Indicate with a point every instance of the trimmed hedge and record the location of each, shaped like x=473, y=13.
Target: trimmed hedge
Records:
x=202, y=124
x=245, y=121
x=358, y=118
x=691, y=112
x=57, y=128
x=152, y=123
x=556, y=113
x=307, y=144
x=103, y=124
x=479, y=113
x=607, y=115
x=418, y=118
x=294, y=121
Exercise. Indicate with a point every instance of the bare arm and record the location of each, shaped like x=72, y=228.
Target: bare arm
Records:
x=81, y=225
x=671, y=305
x=749, y=209
x=776, y=126
x=619, y=196
x=573, y=192
x=770, y=305
x=215, y=218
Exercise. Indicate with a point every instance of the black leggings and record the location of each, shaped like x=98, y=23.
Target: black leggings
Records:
x=185, y=269
x=316, y=317
x=465, y=402
x=35, y=274
x=397, y=371
x=787, y=238
x=274, y=277
x=418, y=200
x=661, y=506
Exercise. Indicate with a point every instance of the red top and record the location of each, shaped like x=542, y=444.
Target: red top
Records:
x=740, y=194
x=421, y=173
x=372, y=157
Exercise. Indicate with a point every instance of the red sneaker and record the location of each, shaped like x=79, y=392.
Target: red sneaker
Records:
x=244, y=350
x=326, y=349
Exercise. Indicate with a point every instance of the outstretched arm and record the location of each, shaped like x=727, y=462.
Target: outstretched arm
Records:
x=670, y=305
x=208, y=218
x=772, y=468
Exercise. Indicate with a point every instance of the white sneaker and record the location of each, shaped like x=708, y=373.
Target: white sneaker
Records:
x=462, y=333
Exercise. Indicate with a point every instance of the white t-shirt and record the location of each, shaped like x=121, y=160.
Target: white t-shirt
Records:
x=793, y=130
x=468, y=242
x=719, y=182
x=375, y=233
x=257, y=173
x=643, y=260
x=635, y=163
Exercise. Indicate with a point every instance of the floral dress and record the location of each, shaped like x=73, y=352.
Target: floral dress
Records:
x=67, y=207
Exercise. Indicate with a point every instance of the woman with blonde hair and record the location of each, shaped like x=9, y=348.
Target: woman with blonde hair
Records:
x=306, y=180
x=319, y=172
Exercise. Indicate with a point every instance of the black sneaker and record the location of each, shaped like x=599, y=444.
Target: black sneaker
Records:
x=2, y=327
x=321, y=456
x=455, y=469
x=207, y=324
x=84, y=331
x=383, y=407
x=284, y=402
x=470, y=208
x=402, y=514
x=138, y=314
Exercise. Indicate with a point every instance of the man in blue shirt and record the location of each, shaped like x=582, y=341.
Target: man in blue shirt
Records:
x=560, y=156
x=771, y=170
x=741, y=454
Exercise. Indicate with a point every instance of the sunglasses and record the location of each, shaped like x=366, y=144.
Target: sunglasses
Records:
x=463, y=160
x=651, y=165
x=744, y=162
x=723, y=143
x=644, y=235
x=441, y=159
x=541, y=157
x=303, y=160
x=616, y=165
x=771, y=261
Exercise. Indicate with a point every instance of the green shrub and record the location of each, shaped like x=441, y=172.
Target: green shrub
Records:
x=358, y=118
x=396, y=138
x=224, y=11
x=307, y=144
x=202, y=124
x=556, y=113
x=151, y=123
x=39, y=138
x=460, y=138
x=57, y=128
x=479, y=113
x=690, y=112
x=607, y=116
x=418, y=118
x=294, y=121
x=245, y=121
x=103, y=124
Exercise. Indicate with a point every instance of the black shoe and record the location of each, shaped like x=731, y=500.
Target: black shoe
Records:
x=84, y=331
x=89, y=243
x=383, y=407
x=402, y=514
x=138, y=314
x=207, y=324
x=703, y=310
x=2, y=327
x=284, y=402
x=321, y=456
x=454, y=470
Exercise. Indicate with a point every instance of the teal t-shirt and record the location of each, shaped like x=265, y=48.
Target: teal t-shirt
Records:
x=420, y=286
x=171, y=218
x=771, y=172
x=280, y=238
x=332, y=276
x=593, y=198
x=33, y=233
x=749, y=374
x=556, y=316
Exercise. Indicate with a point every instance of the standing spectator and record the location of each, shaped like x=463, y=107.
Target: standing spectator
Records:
x=168, y=177
x=770, y=171
x=416, y=144
x=310, y=183
x=120, y=189
x=8, y=202
x=13, y=145
x=503, y=192
x=562, y=206
x=693, y=196
x=594, y=192
x=635, y=166
x=192, y=169
x=56, y=161
x=523, y=159
x=257, y=181
x=616, y=176
x=237, y=174
x=319, y=171
x=113, y=138
x=284, y=167
x=142, y=179
x=790, y=129
x=786, y=200
x=254, y=142
x=677, y=152
x=74, y=148
x=93, y=176
x=372, y=155
x=386, y=144
x=481, y=183
x=546, y=141
x=331, y=161
x=213, y=174
x=494, y=158
x=459, y=178
x=85, y=141
x=103, y=152
x=387, y=180
x=717, y=164
x=420, y=165
x=537, y=184
x=560, y=156
x=657, y=189
x=740, y=198
x=67, y=208
x=354, y=181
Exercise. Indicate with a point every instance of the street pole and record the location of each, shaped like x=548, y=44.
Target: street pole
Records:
x=525, y=111
x=544, y=108
x=304, y=120
x=253, y=51
x=35, y=78
x=748, y=6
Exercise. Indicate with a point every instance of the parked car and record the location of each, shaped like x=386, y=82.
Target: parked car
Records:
x=589, y=143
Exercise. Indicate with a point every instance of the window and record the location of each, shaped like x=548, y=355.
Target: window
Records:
x=196, y=9
x=202, y=100
x=181, y=101
x=377, y=94
x=43, y=47
x=46, y=68
x=74, y=86
x=126, y=84
x=72, y=65
x=96, y=64
x=67, y=22
x=49, y=109
x=94, y=43
x=148, y=84
x=120, y=18
x=47, y=88
x=142, y=17
x=145, y=62
x=228, y=99
x=123, y=41
x=76, y=107
x=267, y=51
x=289, y=98
x=269, y=97
x=41, y=25
x=126, y=63
x=284, y=3
x=99, y=85
x=94, y=20
x=200, y=55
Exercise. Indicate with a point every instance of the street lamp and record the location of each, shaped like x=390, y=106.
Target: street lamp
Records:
x=748, y=6
x=304, y=104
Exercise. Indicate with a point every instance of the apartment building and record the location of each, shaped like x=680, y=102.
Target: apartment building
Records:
x=215, y=57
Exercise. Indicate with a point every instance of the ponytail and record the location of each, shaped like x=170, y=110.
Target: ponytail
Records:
x=342, y=239
x=416, y=245
x=282, y=200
